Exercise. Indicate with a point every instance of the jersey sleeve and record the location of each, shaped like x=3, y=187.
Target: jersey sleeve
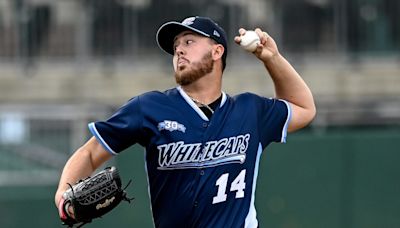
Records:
x=122, y=129
x=274, y=117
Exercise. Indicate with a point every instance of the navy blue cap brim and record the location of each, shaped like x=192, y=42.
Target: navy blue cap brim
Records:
x=167, y=33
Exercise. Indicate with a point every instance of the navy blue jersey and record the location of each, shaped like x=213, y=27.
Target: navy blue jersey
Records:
x=202, y=172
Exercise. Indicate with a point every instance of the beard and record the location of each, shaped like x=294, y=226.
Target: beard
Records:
x=196, y=71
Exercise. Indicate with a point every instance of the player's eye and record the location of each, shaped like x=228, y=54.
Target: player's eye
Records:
x=188, y=42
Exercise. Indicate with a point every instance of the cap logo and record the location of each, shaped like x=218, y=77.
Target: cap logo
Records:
x=216, y=33
x=188, y=21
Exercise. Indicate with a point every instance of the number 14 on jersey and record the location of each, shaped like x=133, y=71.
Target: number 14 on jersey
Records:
x=238, y=185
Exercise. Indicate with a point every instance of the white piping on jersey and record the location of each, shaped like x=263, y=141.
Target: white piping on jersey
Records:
x=251, y=218
x=92, y=128
x=194, y=106
x=289, y=117
x=224, y=97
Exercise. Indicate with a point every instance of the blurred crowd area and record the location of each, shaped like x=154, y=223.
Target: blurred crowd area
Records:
x=64, y=63
x=76, y=29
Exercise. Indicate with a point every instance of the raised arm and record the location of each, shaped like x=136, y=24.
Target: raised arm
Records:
x=287, y=82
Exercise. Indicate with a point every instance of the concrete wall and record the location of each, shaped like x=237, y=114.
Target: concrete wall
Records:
x=330, y=80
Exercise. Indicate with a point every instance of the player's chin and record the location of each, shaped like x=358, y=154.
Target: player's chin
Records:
x=183, y=79
x=180, y=73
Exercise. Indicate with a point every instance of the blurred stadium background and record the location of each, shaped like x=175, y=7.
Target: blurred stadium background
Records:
x=64, y=63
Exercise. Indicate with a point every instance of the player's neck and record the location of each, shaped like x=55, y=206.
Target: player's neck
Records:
x=205, y=90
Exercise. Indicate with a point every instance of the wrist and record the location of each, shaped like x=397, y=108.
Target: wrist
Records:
x=272, y=60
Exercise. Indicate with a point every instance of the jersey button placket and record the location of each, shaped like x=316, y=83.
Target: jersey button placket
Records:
x=202, y=153
x=205, y=125
x=196, y=203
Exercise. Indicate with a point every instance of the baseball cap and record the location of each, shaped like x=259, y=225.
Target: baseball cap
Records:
x=200, y=25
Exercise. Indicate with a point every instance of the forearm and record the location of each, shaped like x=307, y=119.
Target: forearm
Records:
x=77, y=167
x=288, y=83
x=292, y=88
x=81, y=165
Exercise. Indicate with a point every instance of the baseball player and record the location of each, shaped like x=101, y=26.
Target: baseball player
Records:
x=203, y=146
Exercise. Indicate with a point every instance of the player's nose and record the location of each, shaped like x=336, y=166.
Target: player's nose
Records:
x=179, y=50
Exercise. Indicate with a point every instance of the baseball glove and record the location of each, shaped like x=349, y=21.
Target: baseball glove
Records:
x=92, y=197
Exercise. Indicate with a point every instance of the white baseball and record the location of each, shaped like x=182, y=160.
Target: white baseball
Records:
x=249, y=41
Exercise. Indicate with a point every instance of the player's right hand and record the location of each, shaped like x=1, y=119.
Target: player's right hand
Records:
x=266, y=49
x=65, y=210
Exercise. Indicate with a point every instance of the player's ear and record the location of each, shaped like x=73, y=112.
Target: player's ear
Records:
x=218, y=51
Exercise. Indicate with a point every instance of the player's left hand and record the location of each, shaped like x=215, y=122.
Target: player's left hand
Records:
x=267, y=47
x=91, y=198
